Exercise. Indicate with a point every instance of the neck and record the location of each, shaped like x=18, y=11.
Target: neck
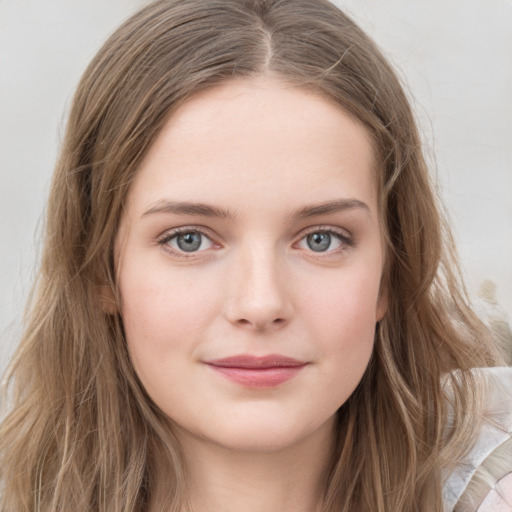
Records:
x=227, y=480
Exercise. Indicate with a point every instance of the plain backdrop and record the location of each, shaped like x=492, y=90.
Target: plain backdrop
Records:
x=455, y=58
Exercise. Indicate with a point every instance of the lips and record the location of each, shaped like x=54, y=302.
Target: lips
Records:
x=257, y=372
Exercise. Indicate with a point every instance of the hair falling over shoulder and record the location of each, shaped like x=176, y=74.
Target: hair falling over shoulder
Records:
x=80, y=433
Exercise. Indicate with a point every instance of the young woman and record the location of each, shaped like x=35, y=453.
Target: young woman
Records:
x=248, y=299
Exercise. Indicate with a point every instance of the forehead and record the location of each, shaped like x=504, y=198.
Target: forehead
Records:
x=259, y=138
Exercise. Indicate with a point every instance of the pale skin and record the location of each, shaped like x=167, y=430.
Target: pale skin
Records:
x=278, y=251
x=253, y=170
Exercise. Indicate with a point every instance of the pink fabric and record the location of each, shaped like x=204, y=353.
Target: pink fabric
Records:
x=496, y=429
x=500, y=498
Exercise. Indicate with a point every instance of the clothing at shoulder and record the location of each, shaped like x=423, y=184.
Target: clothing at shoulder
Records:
x=482, y=477
x=499, y=499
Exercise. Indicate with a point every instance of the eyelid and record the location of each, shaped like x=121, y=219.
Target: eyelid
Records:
x=343, y=235
x=168, y=235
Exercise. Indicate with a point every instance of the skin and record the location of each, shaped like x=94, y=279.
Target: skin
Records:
x=261, y=152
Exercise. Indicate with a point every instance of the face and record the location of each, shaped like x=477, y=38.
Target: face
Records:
x=249, y=260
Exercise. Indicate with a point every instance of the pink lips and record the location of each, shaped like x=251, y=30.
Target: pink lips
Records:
x=257, y=372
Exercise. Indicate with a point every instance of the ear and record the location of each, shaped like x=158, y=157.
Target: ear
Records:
x=382, y=303
x=108, y=300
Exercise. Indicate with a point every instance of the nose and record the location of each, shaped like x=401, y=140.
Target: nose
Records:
x=258, y=296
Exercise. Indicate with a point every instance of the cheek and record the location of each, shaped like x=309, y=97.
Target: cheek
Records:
x=347, y=302
x=342, y=320
x=350, y=337
x=163, y=316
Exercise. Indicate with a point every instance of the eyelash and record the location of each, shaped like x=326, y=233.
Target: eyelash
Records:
x=345, y=240
x=167, y=237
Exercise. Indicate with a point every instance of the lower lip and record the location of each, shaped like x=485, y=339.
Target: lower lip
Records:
x=258, y=377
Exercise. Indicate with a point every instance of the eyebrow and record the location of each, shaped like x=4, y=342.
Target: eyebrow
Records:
x=206, y=210
x=184, y=208
x=331, y=207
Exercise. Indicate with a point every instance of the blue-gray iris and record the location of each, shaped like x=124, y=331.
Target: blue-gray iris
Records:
x=319, y=242
x=189, y=242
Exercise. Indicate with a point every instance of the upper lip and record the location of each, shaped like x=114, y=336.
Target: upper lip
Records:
x=255, y=362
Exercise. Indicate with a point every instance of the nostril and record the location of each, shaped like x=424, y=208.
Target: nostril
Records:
x=275, y=322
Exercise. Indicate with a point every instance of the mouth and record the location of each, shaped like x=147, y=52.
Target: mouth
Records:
x=257, y=372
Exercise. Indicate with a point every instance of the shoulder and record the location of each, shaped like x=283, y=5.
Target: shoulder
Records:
x=499, y=499
x=482, y=478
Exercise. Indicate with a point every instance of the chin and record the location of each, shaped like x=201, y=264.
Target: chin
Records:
x=258, y=442
x=263, y=436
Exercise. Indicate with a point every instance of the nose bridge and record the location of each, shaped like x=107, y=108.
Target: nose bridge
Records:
x=258, y=294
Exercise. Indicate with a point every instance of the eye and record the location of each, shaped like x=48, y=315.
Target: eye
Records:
x=324, y=240
x=188, y=241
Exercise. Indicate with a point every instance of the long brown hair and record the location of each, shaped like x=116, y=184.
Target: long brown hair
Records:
x=81, y=433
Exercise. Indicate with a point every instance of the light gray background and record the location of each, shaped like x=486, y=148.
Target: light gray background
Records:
x=455, y=57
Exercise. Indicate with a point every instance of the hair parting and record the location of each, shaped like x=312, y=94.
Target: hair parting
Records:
x=81, y=433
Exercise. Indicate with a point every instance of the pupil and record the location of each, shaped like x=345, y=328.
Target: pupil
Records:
x=319, y=242
x=189, y=242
